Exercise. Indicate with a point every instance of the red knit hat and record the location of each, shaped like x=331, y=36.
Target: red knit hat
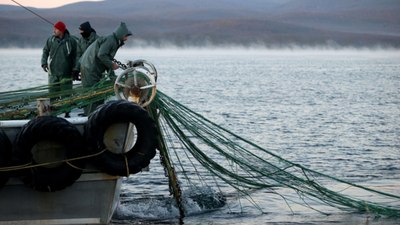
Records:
x=60, y=26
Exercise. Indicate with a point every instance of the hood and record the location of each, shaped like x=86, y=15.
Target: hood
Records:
x=122, y=31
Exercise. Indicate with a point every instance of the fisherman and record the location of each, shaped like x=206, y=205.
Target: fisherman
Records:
x=98, y=58
x=88, y=36
x=59, y=59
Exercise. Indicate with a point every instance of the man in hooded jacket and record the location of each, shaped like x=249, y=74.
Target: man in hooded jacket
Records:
x=58, y=60
x=88, y=36
x=98, y=58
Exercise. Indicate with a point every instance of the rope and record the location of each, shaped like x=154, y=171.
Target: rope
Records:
x=30, y=165
x=73, y=166
x=41, y=17
x=21, y=104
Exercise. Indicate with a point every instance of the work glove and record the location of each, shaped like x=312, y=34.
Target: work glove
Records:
x=76, y=75
x=45, y=67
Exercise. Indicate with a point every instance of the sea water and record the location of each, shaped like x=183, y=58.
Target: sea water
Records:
x=334, y=111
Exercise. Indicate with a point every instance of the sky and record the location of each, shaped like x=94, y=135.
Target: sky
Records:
x=41, y=3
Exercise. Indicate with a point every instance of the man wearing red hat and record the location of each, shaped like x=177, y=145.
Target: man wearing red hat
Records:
x=59, y=59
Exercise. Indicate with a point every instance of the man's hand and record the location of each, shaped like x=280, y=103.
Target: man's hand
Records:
x=45, y=67
x=115, y=66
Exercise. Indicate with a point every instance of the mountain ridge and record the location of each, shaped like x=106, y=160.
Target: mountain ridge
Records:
x=356, y=23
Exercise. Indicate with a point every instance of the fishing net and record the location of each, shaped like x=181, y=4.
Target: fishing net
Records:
x=199, y=149
x=195, y=151
x=21, y=104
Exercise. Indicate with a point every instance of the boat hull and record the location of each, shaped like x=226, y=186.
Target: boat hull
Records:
x=92, y=199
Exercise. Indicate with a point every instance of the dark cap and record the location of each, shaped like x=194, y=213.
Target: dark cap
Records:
x=85, y=27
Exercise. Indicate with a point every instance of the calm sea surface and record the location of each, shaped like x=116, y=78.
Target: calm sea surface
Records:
x=336, y=112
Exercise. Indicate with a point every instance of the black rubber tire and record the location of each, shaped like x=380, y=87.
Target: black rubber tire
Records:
x=54, y=129
x=5, y=157
x=143, y=150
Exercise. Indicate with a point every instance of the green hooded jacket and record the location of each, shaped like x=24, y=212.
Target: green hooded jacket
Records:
x=99, y=56
x=83, y=44
x=60, y=56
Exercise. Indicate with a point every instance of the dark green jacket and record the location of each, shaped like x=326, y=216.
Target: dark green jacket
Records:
x=98, y=56
x=83, y=44
x=60, y=55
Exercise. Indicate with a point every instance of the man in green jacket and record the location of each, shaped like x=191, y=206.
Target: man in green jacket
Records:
x=58, y=60
x=88, y=36
x=98, y=58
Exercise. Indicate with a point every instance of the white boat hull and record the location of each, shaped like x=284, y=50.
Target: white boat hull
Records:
x=92, y=199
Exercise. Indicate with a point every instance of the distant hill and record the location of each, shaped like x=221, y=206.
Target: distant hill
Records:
x=357, y=23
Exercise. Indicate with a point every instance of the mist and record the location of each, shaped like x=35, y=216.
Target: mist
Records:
x=270, y=24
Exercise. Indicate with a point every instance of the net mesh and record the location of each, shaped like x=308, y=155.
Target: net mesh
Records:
x=200, y=151
x=199, y=148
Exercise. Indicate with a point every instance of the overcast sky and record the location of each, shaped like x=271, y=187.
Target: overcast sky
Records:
x=41, y=3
